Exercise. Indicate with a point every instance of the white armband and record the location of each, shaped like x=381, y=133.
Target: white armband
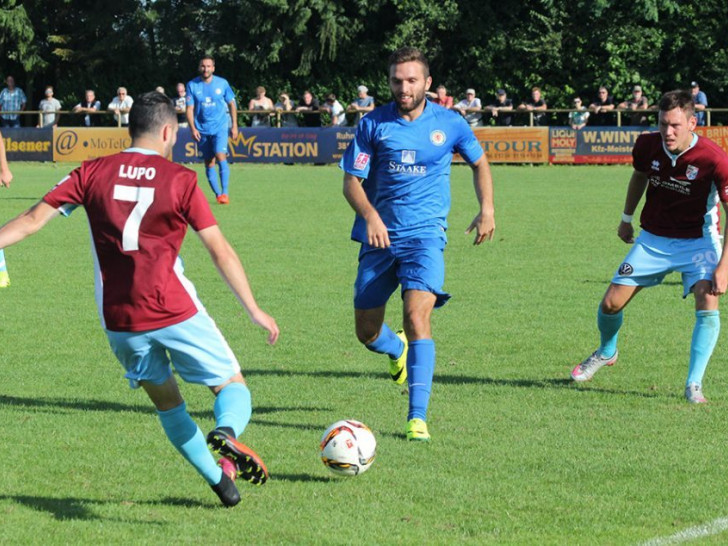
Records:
x=627, y=218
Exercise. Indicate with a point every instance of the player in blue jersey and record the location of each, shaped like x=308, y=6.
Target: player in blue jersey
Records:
x=210, y=107
x=397, y=180
x=5, y=178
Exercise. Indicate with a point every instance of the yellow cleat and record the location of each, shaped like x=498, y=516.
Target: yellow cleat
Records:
x=398, y=367
x=5, y=280
x=417, y=431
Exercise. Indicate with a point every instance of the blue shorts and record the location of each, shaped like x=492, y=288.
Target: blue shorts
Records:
x=196, y=347
x=212, y=144
x=415, y=264
x=652, y=257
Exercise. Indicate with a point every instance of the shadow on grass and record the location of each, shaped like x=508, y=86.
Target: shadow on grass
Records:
x=73, y=508
x=300, y=478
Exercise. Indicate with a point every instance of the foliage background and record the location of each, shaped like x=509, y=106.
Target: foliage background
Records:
x=564, y=46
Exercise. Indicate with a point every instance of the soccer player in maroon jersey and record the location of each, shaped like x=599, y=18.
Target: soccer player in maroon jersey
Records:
x=685, y=177
x=139, y=205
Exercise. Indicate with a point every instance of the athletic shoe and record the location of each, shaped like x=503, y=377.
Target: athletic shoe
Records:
x=249, y=465
x=398, y=367
x=694, y=394
x=4, y=279
x=228, y=467
x=586, y=370
x=226, y=491
x=417, y=430
x=223, y=199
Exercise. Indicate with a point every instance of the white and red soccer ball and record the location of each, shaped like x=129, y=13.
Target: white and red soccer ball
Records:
x=348, y=447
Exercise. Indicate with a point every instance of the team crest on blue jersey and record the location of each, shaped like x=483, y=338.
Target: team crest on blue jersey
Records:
x=218, y=91
x=625, y=269
x=408, y=157
x=691, y=172
x=438, y=137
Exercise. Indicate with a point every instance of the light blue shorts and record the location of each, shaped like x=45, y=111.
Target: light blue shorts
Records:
x=213, y=144
x=195, y=347
x=652, y=257
x=415, y=264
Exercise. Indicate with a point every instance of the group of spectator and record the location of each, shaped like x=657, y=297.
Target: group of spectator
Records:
x=307, y=111
x=599, y=112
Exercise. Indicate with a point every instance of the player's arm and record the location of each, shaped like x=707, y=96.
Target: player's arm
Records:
x=234, y=115
x=720, y=275
x=5, y=175
x=484, y=221
x=231, y=270
x=635, y=191
x=190, y=113
x=377, y=234
x=26, y=224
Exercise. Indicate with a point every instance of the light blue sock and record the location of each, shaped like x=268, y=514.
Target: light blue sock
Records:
x=213, y=179
x=233, y=408
x=705, y=335
x=387, y=343
x=224, y=175
x=609, y=326
x=187, y=437
x=420, y=367
x=3, y=265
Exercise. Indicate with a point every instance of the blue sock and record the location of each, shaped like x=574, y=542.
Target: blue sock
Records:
x=420, y=367
x=705, y=335
x=187, y=437
x=233, y=408
x=213, y=179
x=609, y=326
x=224, y=175
x=3, y=265
x=387, y=343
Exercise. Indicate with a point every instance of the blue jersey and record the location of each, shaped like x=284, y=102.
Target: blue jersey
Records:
x=406, y=168
x=211, y=103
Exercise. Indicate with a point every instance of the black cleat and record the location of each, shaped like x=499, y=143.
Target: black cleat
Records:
x=227, y=491
x=250, y=466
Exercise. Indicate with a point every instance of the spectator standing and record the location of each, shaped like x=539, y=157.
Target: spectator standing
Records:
x=180, y=105
x=441, y=97
x=286, y=104
x=260, y=102
x=333, y=106
x=120, y=106
x=12, y=99
x=579, y=118
x=310, y=107
x=602, y=105
x=470, y=108
x=49, y=106
x=212, y=115
x=363, y=103
x=535, y=104
x=501, y=109
x=87, y=105
x=636, y=103
x=701, y=102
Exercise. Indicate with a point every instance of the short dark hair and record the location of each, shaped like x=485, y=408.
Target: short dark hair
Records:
x=409, y=54
x=150, y=112
x=206, y=57
x=679, y=98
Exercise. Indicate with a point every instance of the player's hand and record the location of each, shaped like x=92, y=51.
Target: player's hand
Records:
x=195, y=133
x=484, y=226
x=720, y=280
x=377, y=233
x=234, y=133
x=265, y=321
x=5, y=178
x=625, y=231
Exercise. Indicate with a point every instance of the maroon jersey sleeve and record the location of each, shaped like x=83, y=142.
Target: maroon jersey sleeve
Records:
x=68, y=191
x=196, y=209
x=642, y=152
x=721, y=178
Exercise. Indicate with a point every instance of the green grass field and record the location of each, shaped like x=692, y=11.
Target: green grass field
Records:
x=520, y=455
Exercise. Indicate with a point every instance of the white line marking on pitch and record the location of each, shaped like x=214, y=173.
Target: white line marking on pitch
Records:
x=714, y=527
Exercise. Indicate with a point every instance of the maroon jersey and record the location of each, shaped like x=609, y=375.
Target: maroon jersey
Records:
x=138, y=207
x=683, y=191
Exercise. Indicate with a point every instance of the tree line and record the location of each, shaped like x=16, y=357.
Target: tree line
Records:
x=563, y=46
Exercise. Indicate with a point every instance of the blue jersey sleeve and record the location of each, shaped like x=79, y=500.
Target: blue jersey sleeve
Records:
x=228, y=94
x=357, y=158
x=189, y=96
x=467, y=144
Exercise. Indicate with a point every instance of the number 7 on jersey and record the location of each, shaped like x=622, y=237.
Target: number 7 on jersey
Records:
x=143, y=197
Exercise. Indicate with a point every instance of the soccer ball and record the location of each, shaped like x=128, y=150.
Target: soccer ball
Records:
x=348, y=448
